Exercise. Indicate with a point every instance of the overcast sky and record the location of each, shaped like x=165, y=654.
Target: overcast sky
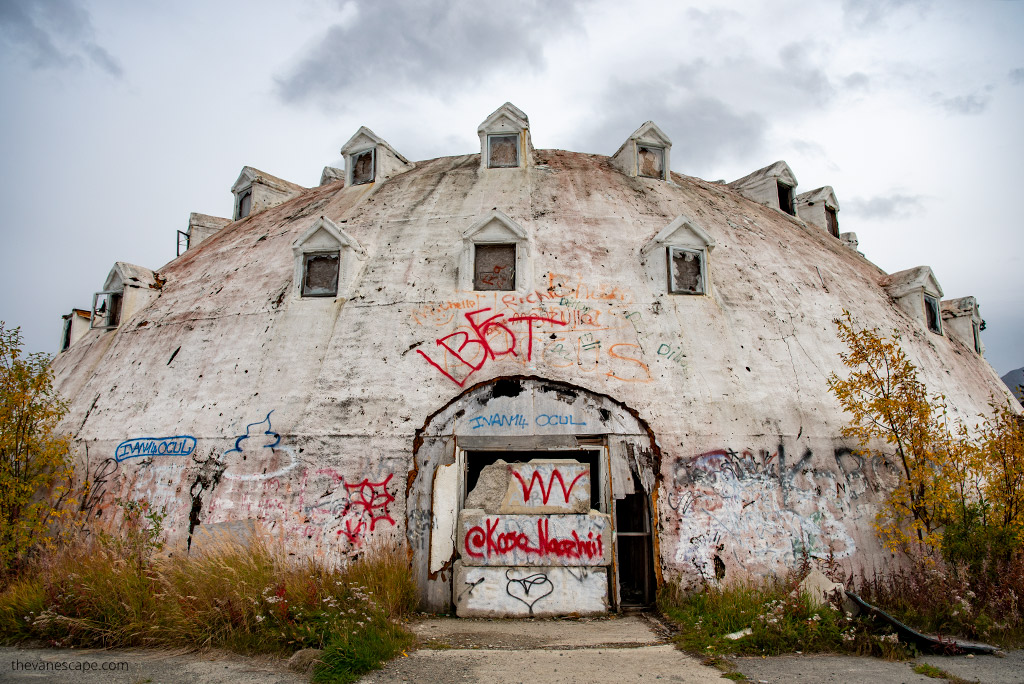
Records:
x=121, y=117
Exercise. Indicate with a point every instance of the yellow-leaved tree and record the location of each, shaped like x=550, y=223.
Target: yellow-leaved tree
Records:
x=887, y=401
x=35, y=469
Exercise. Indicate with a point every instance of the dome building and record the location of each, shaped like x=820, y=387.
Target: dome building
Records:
x=560, y=379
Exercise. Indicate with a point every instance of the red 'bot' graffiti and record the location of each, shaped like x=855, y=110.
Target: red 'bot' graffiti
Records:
x=537, y=479
x=481, y=344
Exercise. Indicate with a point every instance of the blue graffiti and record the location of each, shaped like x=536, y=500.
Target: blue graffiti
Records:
x=249, y=432
x=546, y=419
x=181, y=445
x=499, y=420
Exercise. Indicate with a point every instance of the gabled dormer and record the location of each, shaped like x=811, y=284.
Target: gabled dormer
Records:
x=256, y=190
x=962, y=319
x=645, y=153
x=326, y=261
x=505, y=139
x=773, y=186
x=128, y=289
x=200, y=227
x=918, y=293
x=75, y=324
x=369, y=158
x=820, y=208
x=331, y=174
x=676, y=259
x=495, y=255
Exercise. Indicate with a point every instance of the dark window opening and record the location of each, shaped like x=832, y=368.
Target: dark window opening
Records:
x=362, y=167
x=65, y=337
x=494, y=267
x=106, y=310
x=183, y=240
x=502, y=151
x=477, y=460
x=650, y=161
x=320, y=274
x=931, y=310
x=977, y=338
x=635, y=548
x=786, y=198
x=245, y=203
x=832, y=221
x=686, y=271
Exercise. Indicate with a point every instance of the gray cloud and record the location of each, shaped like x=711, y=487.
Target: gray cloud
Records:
x=409, y=43
x=885, y=208
x=857, y=81
x=704, y=130
x=965, y=104
x=804, y=77
x=866, y=14
x=55, y=34
x=1017, y=76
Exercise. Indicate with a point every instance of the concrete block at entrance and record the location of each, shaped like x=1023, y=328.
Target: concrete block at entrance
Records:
x=534, y=540
x=540, y=486
x=529, y=592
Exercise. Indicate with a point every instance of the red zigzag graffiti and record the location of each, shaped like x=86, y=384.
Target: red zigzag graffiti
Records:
x=546, y=493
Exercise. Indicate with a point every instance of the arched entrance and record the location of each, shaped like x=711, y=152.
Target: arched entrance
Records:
x=533, y=497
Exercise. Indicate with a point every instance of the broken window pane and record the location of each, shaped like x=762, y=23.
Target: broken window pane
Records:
x=931, y=309
x=362, y=167
x=786, y=198
x=245, y=204
x=503, y=151
x=320, y=275
x=494, y=267
x=832, y=221
x=686, y=271
x=650, y=161
x=106, y=310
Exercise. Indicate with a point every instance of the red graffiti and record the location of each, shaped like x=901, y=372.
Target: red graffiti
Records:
x=482, y=543
x=374, y=498
x=539, y=480
x=490, y=339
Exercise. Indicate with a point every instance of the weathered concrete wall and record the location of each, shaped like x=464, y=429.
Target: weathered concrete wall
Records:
x=326, y=419
x=530, y=592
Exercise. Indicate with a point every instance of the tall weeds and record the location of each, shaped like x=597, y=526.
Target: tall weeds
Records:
x=248, y=599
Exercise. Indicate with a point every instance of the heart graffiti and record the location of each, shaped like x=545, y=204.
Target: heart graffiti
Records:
x=520, y=588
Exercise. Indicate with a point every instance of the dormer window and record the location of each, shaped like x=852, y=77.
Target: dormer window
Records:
x=676, y=258
x=831, y=221
x=363, y=167
x=106, y=310
x=502, y=151
x=326, y=259
x=505, y=139
x=369, y=159
x=494, y=267
x=931, y=311
x=786, y=198
x=495, y=255
x=686, y=271
x=320, y=274
x=645, y=153
x=650, y=161
x=244, y=204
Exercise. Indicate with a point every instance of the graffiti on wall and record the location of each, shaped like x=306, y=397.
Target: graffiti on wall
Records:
x=570, y=324
x=517, y=540
x=258, y=454
x=520, y=588
x=759, y=509
x=181, y=445
x=555, y=473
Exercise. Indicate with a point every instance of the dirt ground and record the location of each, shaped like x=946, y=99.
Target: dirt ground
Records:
x=633, y=648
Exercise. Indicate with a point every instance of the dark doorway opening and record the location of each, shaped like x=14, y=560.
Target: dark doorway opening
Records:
x=635, y=548
x=477, y=460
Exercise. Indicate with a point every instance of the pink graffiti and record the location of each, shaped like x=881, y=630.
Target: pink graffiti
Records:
x=481, y=542
x=374, y=498
x=473, y=350
x=539, y=481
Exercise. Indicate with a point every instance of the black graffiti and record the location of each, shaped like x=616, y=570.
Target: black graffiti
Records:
x=536, y=582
